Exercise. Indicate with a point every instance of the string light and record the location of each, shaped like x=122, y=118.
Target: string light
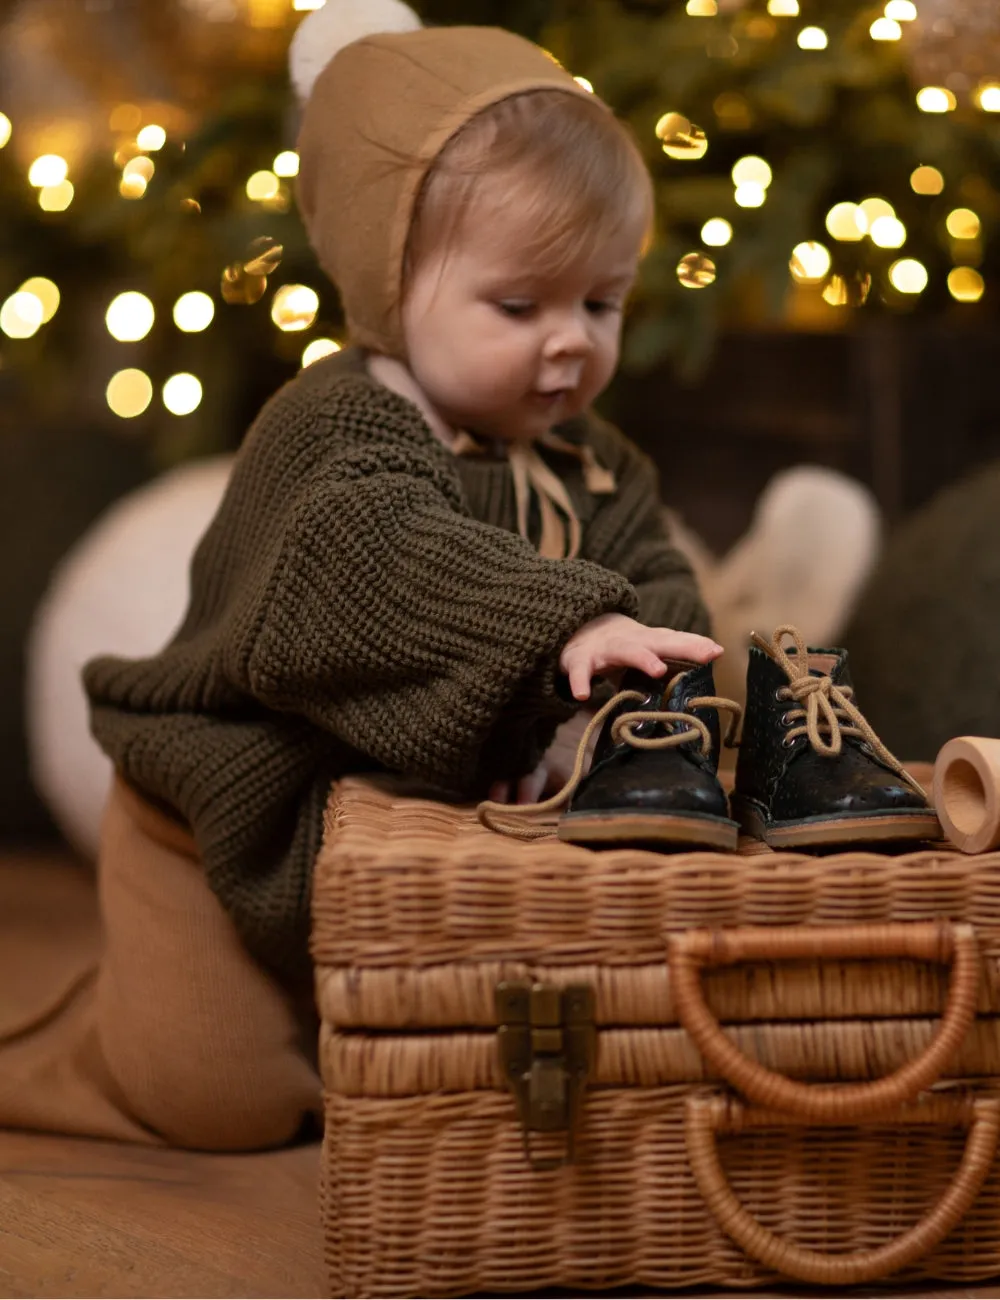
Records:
x=294, y=307
x=908, y=275
x=936, y=99
x=56, y=198
x=182, y=394
x=963, y=223
x=887, y=232
x=263, y=185
x=965, y=284
x=21, y=315
x=885, y=29
x=783, y=8
x=6, y=129
x=701, y=8
x=140, y=166
x=810, y=262
x=318, y=349
x=901, y=11
x=47, y=294
x=130, y=317
x=988, y=97
x=286, y=164
x=927, y=180
x=132, y=186
x=129, y=393
x=874, y=208
x=49, y=169
x=716, y=232
x=812, y=38
x=151, y=138
x=752, y=170
x=194, y=312
x=847, y=222
x=587, y=85
x=680, y=137
x=750, y=195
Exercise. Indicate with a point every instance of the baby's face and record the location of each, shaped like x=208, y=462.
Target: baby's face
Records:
x=507, y=352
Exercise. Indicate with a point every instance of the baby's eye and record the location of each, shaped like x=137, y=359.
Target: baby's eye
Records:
x=598, y=306
x=516, y=308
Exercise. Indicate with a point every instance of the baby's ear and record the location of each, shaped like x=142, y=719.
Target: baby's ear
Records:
x=326, y=31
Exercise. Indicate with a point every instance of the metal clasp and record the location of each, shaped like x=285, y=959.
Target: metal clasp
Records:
x=548, y=1046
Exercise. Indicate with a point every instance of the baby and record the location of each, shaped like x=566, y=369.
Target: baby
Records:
x=428, y=550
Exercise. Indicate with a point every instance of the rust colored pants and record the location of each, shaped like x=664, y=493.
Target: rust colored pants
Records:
x=150, y=1023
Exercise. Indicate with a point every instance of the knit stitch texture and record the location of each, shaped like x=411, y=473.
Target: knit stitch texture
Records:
x=362, y=602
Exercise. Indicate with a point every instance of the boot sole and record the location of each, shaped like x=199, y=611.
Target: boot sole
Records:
x=648, y=828
x=861, y=828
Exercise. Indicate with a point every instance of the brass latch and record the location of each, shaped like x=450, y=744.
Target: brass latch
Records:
x=548, y=1045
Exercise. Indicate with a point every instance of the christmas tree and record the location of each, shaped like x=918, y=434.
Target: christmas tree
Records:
x=812, y=159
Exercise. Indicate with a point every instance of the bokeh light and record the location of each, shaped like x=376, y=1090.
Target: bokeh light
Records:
x=194, y=312
x=319, y=348
x=926, y=180
x=294, y=307
x=908, y=275
x=129, y=393
x=130, y=317
x=182, y=394
x=810, y=262
x=716, y=232
x=965, y=284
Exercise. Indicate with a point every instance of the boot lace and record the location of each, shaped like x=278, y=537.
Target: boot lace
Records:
x=826, y=712
x=521, y=821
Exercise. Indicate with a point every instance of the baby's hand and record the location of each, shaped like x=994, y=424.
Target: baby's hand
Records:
x=614, y=641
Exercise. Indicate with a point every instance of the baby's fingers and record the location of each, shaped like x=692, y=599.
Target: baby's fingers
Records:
x=686, y=646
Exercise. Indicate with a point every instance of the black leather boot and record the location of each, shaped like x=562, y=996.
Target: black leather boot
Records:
x=811, y=773
x=667, y=797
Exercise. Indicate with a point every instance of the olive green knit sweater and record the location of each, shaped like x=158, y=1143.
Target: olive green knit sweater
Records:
x=361, y=601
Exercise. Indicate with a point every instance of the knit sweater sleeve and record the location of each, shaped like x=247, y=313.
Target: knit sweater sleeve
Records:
x=389, y=617
x=629, y=533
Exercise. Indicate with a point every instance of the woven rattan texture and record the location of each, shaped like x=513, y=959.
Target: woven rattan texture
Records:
x=407, y=881
x=433, y=1196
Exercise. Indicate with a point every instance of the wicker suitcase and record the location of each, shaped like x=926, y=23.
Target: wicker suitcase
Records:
x=549, y=1067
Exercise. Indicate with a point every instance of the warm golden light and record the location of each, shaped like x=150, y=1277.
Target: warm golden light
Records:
x=963, y=223
x=733, y=112
x=716, y=232
x=151, y=138
x=783, y=8
x=701, y=8
x=835, y=292
x=194, y=312
x=901, y=11
x=926, y=180
x=286, y=164
x=847, y=222
x=752, y=170
x=888, y=232
x=696, y=271
x=885, y=29
x=21, y=315
x=318, y=349
x=129, y=393
x=305, y=5
x=130, y=317
x=140, y=166
x=294, y=307
x=988, y=98
x=47, y=294
x=965, y=284
x=874, y=208
x=6, y=129
x=133, y=186
x=812, y=38
x=263, y=185
x=56, y=198
x=182, y=394
x=750, y=195
x=936, y=99
x=810, y=262
x=49, y=169
x=908, y=275
x=587, y=85
x=680, y=137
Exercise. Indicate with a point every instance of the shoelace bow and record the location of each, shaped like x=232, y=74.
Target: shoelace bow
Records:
x=518, y=820
x=817, y=696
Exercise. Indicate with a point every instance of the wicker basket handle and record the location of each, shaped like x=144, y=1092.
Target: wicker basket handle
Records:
x=923, y=941
x=705, y=1118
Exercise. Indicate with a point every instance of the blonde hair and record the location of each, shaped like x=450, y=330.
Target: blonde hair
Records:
x=571, y=171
